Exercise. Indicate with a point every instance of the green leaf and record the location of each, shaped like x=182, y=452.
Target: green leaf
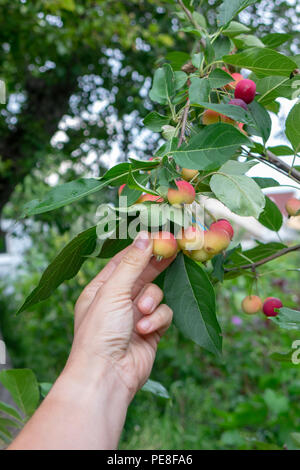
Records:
x=9, y=423
x=177, y=59
x=132, y=195
x=180, y=79
x=221, y=47
x=112, y=246
x=234, y=112
x=274, y=40
x=191, y=296
x=261, y=251
x=218, y=78
x=23, y=387
x=199, y=19
x=273, y=107
x=230, y=8
x=60, y=4
x=209, y=52
x=274, y=87
x=137, y=183
x=234, y=167
x=64, y=194
x=292, y=128
x=73, y=191
x=296, y=59
x=263, y=62
x=266, y=182
x=218, y=264
x=169, y=132
x=167, y=147
x=10, y=410
x=197, y=60
x=244, y=41
x=156, y=388
x=65, y=266
x=276, y=402
x=281, y=150
x=5, y=435
x=296, y=438
x=235, y=28
x=118, y=174
x=155, y=121
x=45, y=388
x=261, y=117
x=137, y=165
x=271, y=217
x=199, y=90
x=210, y=148
x=163, y=87
x=238, y=192
x=287, y=319
x=282, y=357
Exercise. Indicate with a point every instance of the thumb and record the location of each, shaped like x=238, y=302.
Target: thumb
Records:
x=132, y=264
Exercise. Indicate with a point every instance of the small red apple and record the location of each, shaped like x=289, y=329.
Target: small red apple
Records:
x=245, y=90
x=269, y=306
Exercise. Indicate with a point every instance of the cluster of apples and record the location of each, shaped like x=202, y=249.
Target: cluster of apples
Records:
x=184, y=193
x=293, y=206
x=253, y=304
x=200, y=245
x=244, y=94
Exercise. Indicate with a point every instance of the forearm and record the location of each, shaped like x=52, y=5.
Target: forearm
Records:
x=85, y=409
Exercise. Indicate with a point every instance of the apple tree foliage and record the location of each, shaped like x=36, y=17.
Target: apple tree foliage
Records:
x=184, y=85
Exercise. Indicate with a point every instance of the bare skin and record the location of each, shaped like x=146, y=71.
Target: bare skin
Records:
x=118, y=324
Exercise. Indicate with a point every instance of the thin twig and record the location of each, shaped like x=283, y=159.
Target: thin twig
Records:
x=265, y=260
x=191, y=19
x=283, y=166
x=184, y=121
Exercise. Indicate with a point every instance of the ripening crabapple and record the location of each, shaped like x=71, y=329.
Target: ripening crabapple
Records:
x=223, y=224
x=184, y=194
x=199, y=255
x=245, y=90
x=252, y=304
x=269, y=306
x=238, y=102
x=293, y=206
x=188, y=174
x=121, y=189
x=215, y=241
x=211, y=117
x=149, y=198
x=164, y=245
x=237, y=77
x=190, y=239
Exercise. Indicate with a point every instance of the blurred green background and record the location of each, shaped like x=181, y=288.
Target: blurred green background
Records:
x=84, y=70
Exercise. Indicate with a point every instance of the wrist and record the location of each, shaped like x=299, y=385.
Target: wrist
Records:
x=97, y=378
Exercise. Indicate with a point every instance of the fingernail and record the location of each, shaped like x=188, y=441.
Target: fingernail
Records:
x=145, y=324
x=142, y=241
x=147, y=304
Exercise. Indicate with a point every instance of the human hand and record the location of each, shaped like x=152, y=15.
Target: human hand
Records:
x=118, y=318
